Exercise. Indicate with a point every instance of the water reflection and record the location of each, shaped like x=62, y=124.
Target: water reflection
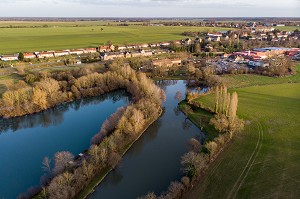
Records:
x=55, y=116
x=68, y=127
x=154, y=160
x=163, y=84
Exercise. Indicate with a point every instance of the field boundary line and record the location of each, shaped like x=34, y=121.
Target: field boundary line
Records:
x=257, y=152
x=250, y=161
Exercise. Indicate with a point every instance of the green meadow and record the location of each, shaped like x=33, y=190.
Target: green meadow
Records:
x=287, y=28
x=13, y=40
x=262, y=161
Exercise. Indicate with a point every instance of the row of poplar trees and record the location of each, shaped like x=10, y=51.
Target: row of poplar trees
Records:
x=226, y=105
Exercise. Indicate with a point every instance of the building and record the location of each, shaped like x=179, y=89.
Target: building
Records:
x=218, y=34
x=165, y=44
x=166, y=62
x=103, y=49
x=144, y=45
x=61, y=53
x=91, y=50
x=45, y=54
x=77, y=52
x=10, y=57
x=111, y=56
x=154, y=45
x=263, y=29
x=132, y=46
x=122, y=48
x=29, y=56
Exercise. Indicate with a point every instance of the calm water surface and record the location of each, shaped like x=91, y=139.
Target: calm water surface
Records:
x=25, y=141
x=154, y=160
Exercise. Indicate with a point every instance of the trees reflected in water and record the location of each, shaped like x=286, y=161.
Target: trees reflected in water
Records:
x=55, y=116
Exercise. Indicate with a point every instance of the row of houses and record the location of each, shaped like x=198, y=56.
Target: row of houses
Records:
x=101, y=49
x=261, y=53
x=48, y=54
x=113, y=55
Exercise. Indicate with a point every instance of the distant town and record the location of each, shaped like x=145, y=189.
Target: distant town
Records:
x=248, y=44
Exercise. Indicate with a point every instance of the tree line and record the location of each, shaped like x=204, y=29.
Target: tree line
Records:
x=69, y=175
x=197, y=160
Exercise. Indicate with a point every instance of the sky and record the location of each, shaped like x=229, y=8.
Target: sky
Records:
x=150, y=8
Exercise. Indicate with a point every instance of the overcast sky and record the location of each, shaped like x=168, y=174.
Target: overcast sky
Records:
x=150, y=8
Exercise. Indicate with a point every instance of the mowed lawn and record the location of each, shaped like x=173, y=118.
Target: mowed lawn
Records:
x=13, y=40
x=263, y=161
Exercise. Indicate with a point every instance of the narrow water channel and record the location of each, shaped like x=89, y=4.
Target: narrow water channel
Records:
x=25, y=141
x=154, y=160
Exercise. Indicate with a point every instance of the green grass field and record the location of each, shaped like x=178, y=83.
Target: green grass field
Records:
x=237, y=81
x=263, y=161
x=287, y=28
x=14, y=40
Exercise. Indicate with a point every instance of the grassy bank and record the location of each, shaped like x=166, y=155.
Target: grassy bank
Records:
x=56, y=37
x=261, y=162
x=201, y=118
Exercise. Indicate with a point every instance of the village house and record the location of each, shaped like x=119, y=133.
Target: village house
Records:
x=122, y=48
x=111, y=56
x=165, y=44
x=103, y=49
x=154, y=45
x=144, y=45
x=29, y=55
x=91, y=50
x=166, y=62
x=131, y=46
x=111, y=47
x=218, y=34
x=9, y=57
x=134, y=54
x=45, y=54
x=146, y=53
x=61, y=53
x=76, y=52
x=263, y=29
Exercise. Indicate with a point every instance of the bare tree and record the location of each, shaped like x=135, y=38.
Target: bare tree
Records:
x=46, y=165
x=61, y=161
x=178, y=96
x=194, y=145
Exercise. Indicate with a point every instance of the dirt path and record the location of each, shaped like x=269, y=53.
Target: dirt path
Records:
x=239, y=182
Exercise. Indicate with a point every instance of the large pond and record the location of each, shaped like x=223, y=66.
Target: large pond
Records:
x=154, y=160
x=25, y=141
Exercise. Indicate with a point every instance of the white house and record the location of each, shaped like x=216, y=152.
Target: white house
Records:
x=76, y=52
x=61, y=53
x=45, y=54
x=9, y=57
x=29, y=55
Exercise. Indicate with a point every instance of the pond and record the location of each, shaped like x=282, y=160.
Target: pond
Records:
x=154, y=160
x=25, y=141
